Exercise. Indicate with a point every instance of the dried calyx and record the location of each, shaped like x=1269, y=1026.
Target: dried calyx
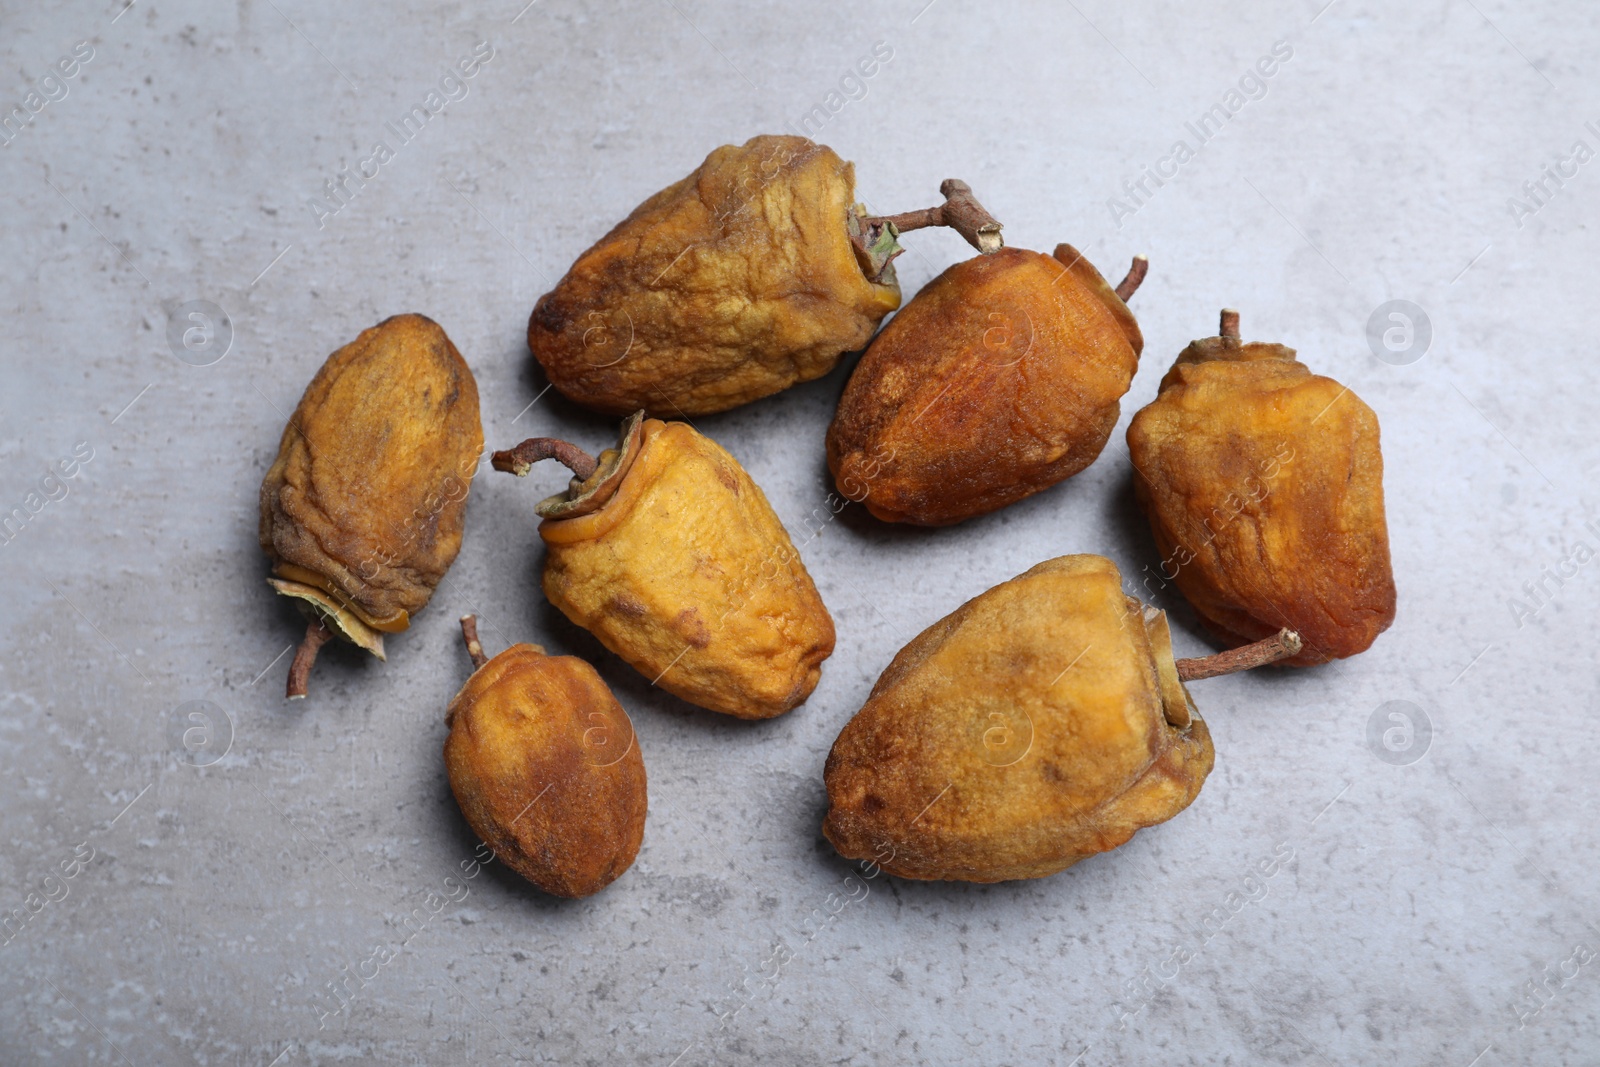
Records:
x=1227, y=346
x=594, y=479
x=874, y=235
x=1177, y=703
x=329, y=614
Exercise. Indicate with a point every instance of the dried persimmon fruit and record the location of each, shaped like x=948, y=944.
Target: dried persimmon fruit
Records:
x=546, y=767
x=1263, y=484
x=1001, y=378
x=1040, y=723
x=667, y=551
x=755, y=272
x=362, y=510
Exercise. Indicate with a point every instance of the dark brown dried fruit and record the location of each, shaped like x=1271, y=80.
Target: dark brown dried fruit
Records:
x=546, y=767
x=1263, y=484
x=667, y=551
x=362, y=511
x=753, y=273
x=999, y=379
x=1040, y=723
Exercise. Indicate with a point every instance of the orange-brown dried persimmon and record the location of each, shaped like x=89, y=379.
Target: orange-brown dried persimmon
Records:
x=999, y=379
x=1263, y=484
x=362, y=511
x=546, y=767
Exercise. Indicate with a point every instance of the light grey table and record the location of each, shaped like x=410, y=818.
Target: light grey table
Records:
x=1433, y=898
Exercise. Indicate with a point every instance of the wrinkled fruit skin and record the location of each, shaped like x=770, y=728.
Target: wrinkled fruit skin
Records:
x=999, y=379
x=546, y=768
x=1263, y=484
x=368, y=494
x=732, y=284
x=1029, y=729
x=687, y=571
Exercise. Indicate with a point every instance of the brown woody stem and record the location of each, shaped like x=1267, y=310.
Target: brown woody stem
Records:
x=1134, y=278
x=317, y=635
x=1230, y=324
x=960, y=211
x=1281, y=645
x=874, y=236
x=469, y=631
x=520, y=460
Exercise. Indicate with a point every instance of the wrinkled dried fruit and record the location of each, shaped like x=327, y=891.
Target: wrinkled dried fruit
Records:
x=546, y=768
x=361, y=513
x=1263, y=484
x=755, y=272
x=666, y=551
x=1038, y=724
x=1001, y=378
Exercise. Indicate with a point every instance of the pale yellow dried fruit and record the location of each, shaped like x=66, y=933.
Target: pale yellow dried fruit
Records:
x=670, y=554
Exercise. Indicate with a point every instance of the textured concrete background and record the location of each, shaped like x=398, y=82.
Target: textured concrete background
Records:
x=1431, y=899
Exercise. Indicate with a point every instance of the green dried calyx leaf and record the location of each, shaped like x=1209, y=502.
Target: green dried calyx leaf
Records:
x=875, y=245
x=594, y=481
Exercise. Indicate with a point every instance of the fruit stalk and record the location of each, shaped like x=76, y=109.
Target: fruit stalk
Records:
x=520, y=460
x=1229, y=326
x=1281, y=645
x=960, y=211
x=317, y=635
x=469, y=632
x=1130, y=281
x=1133, y=279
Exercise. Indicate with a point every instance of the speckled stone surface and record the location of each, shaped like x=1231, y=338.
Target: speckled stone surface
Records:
x=1431, y=895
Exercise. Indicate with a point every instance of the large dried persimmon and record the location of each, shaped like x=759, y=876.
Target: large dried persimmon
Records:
x=755, y=272
x=1038, y=724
